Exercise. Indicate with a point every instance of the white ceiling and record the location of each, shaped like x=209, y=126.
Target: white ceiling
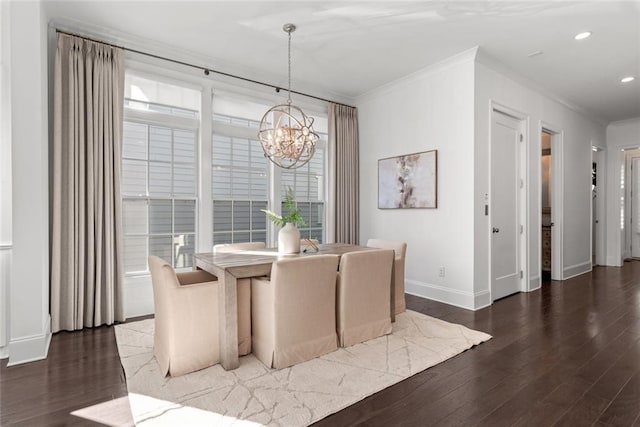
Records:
x=345, y=49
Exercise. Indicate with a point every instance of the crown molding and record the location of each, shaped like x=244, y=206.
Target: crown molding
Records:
x=624, y=122
x=489, y=61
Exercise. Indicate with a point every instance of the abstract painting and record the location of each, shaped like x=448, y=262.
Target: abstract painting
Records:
x=409, y=181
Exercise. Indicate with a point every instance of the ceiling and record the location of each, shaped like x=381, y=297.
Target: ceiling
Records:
x=342, y=50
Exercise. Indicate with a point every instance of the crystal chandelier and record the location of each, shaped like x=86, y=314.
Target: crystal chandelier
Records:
x=286, y=132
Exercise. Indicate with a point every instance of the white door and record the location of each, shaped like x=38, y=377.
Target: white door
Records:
x=505, y=201
x=635, y=207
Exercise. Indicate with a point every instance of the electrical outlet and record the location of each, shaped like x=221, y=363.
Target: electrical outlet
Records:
x=441, y=271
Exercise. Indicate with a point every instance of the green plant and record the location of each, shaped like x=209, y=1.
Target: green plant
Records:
x=293, y=214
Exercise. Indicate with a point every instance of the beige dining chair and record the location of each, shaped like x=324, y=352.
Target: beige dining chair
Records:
x=185, y=337
x=400, y=249
x=293, y=312
x=244, y=295
x=363, y=305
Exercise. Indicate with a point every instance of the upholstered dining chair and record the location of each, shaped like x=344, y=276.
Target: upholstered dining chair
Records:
x=244, y=295
x=186, y=327
x=400, y=249
x=293, y=312
x=363, y=303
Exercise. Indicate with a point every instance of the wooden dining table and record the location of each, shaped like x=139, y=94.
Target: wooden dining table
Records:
x=228, y=267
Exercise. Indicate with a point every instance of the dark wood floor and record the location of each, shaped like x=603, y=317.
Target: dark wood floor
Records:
x=567, y=355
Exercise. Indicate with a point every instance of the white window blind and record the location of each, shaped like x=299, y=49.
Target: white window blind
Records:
x=240, y=181
x=307, y=184
x=159, y=175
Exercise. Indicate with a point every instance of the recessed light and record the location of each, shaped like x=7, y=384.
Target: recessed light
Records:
x=583, y=36
x=627, y=79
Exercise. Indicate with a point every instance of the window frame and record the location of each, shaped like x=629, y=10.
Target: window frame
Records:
x=209, y=89
x=274, y=173
x=160, y=119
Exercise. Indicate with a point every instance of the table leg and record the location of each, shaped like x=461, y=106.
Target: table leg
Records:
x=228, y=321
x=393, y=291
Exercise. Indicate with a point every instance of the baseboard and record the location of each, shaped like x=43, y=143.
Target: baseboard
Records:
x=455, y=297
x=4, y=352
x=138, y=296
x=30, y=348
x=534, y=283
x=481, y=300
x=613, y=262
x=576, y=270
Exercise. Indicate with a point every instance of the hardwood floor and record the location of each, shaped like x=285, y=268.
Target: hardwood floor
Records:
x=566, y=355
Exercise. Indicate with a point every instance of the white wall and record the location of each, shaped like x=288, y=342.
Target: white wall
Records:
x=5, y=178
x=620, y=135
x=29, y=285
x=579, y=133
x=448, y=107
x=431, y=109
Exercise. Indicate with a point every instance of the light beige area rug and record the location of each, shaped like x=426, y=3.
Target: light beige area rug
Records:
x=297, y=396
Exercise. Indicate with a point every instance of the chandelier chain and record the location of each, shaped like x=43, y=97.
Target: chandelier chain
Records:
x=289, y=88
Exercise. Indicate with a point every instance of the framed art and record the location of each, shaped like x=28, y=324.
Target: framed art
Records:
x=409, y=181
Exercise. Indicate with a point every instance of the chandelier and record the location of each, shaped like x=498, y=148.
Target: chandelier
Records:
x=286, y=132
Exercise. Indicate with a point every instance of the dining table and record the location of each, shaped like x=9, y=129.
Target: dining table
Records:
x=228, y=267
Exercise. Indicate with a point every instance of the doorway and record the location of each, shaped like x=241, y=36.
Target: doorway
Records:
x=632, y=206
x=508, y=194
x=546, y=205
x=551, y=203
x=597, y=205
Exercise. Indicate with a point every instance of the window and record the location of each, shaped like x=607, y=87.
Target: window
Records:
x=159, y=174
x=240, y=172
x=239, y=185
x=307, y=184
x=186, y=184
x=242, y=176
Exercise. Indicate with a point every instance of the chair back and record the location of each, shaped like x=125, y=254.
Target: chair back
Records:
x=163, y=278
x=400, y=248
x=236, y=247
x=363, y=308
x=304, y=288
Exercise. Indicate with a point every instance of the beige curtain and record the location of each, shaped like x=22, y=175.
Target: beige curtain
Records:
x=343, y=132
x=86, y=266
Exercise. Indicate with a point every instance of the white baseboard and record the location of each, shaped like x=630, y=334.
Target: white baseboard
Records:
x=138, y=296
x=481, y=300
x=576, y=270
x=455, y=297
x=30, y=348
x=4, y=352
x=534, y=283
x=613, y=262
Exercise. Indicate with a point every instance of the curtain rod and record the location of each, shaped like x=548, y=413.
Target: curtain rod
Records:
x=199, y=67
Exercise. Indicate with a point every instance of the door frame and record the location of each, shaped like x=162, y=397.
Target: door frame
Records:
x=628, y=202
x=557, y=199
x=523, y=206
x=600, y=154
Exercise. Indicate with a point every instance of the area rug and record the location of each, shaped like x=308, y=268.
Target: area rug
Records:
x=297, y=396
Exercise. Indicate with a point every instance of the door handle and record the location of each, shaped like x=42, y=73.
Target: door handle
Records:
x=552, y=224
x=495, y=230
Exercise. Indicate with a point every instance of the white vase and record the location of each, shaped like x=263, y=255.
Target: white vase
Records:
x=289, y=239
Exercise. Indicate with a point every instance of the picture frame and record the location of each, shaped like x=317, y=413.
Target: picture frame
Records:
x=408, y=181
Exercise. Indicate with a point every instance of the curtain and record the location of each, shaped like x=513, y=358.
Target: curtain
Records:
x=86, y=241
x=343, y=132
